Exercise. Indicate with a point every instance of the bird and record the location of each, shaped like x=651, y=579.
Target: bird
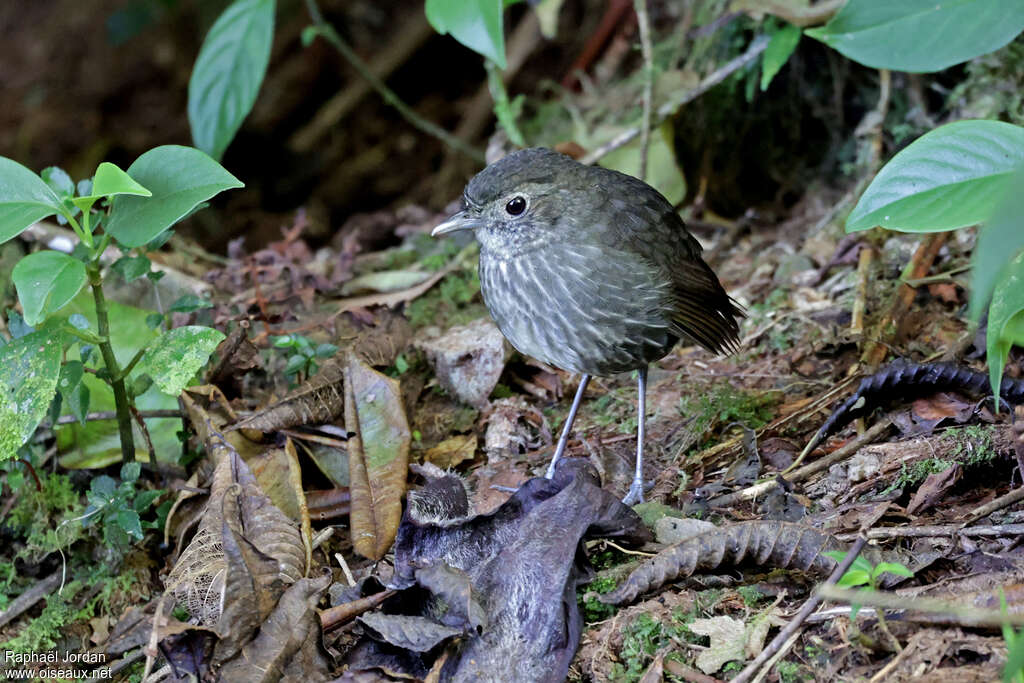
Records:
x=592, y=271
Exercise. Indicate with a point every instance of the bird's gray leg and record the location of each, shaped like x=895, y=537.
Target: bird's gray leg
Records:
x=636, y=489
x=564, y=438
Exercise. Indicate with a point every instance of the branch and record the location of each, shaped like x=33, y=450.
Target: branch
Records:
x=428, y=127
x=666, y=110
x=644, y=21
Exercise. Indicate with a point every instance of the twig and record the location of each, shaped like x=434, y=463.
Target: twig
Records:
x=920, y=264
x=668, y=108
x=806, y=471
x=963, y=615
x=793, y=627
x=428, y=127
x=644, y=22
x=30, y=597
x=145, y=431
x=864, y=259
x=930, y=531
x=790, y=11
x=32, y=471
x=333, y=617
x=998, y=504
x=396, y=51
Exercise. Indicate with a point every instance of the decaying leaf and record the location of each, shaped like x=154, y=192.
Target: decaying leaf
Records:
x=775, y=544
x=727, y=642
x=504, y=583
x=317, y=401
x=378, y=456
x=452, y=451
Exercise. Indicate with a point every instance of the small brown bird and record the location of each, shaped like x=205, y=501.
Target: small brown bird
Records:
x=592, y=271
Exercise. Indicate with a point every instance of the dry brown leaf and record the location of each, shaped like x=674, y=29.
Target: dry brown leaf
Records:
x=378, y=456
x=452, y=451
x=317, y=401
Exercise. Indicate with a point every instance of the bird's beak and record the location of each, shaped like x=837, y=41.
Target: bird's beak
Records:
x=463, y=220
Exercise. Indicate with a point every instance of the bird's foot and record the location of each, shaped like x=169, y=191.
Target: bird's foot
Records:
x=635, y=494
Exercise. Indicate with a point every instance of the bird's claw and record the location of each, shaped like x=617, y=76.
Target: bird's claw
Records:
x=635, y=494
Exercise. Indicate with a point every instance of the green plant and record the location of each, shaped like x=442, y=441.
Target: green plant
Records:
x=1013, y=671
x=134, y=210
x=863, y=573
x=302, y=355
x=118, y=507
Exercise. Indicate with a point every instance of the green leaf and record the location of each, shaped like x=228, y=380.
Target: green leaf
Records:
x=102, y=489
x=144, y=499
x=477, y=24
x=109, y=181
x=1005, y=321
x=946, y=179
x=999, y=239
x=920, y=35
x=131, y=268
x=778, y=52
x=58, y=180
x=854, y=577
x=175, y=357
x=662, y=171
x=130, y=471
x=179, y=178
x=29, y=368
x=295, y=364
x=892, y=568
x=130, y=523
x=46, y=281
x=228, y=73
x=188, y=303
x=24, y=199
x=74, y=390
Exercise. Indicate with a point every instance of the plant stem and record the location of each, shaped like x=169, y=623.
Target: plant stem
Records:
x=124, y=418
x=644, y=23
x=428, y=127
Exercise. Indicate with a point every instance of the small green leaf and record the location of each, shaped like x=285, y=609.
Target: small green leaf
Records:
x=130, y=471
x=129, y=522
x=778, y=52
x=891, y=568
x=920, y=35
x=189, y=303
x=325, y=350
x=295, y=364
x=24, y=199
x=948, y=178
x=1005, y=321
x=46, y=281
x=854, y=577
x=131, y=268
x=179, y=178
x=144, y=499
x=228, y=73
x=29, y=368
x=109, y=181
x=74, y=390
x=58, y=180
x=173, y=359
x=477, y=24
x=154, y=320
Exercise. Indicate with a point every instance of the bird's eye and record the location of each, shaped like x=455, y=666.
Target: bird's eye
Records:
x=515, y=206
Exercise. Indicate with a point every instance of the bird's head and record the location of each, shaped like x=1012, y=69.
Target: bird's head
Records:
x=519, y=203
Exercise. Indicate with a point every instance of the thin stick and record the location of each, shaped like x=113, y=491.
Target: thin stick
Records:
x=793, y=626
x=864, y=259
x=807, y=470
x=964, y=615
x=931, y=531
x=666, y=110
x=428, y=127
x=112, y=415
x=644, y=22
x=998, y=504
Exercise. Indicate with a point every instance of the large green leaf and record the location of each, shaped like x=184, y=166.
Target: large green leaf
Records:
x=228, y=73
x=24, y=199
x=998, y=241
x=29, y=367
x=175, y=357
x=946, y=179
x=477, y=24
x=179, y=178
x=1005, y=320
x=46, y=281
x=97, y=443
x=921, y=35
